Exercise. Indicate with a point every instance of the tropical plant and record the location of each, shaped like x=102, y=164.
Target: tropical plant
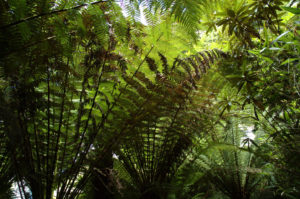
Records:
x=121, y=98
x=267, y=78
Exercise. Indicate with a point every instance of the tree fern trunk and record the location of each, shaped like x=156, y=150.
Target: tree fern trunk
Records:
x=101, y=178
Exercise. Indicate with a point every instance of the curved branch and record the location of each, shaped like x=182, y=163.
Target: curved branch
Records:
x=49, y=13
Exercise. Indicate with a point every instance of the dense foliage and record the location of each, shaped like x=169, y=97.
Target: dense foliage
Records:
x=149, y=99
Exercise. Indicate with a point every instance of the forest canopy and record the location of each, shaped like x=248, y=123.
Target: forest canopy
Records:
x=149, y=99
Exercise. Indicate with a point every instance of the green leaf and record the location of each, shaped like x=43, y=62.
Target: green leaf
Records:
x=258, y=54
x=292, y=10
x=289, y=61
x=279, y=37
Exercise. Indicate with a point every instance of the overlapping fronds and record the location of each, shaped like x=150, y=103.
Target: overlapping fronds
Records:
x=232, y=169
x=52, y=93
x=156, y=133
x=72, y=97
x=186, y=12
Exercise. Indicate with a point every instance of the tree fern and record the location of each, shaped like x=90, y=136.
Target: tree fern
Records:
x=153, y=140
x=230, y=168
